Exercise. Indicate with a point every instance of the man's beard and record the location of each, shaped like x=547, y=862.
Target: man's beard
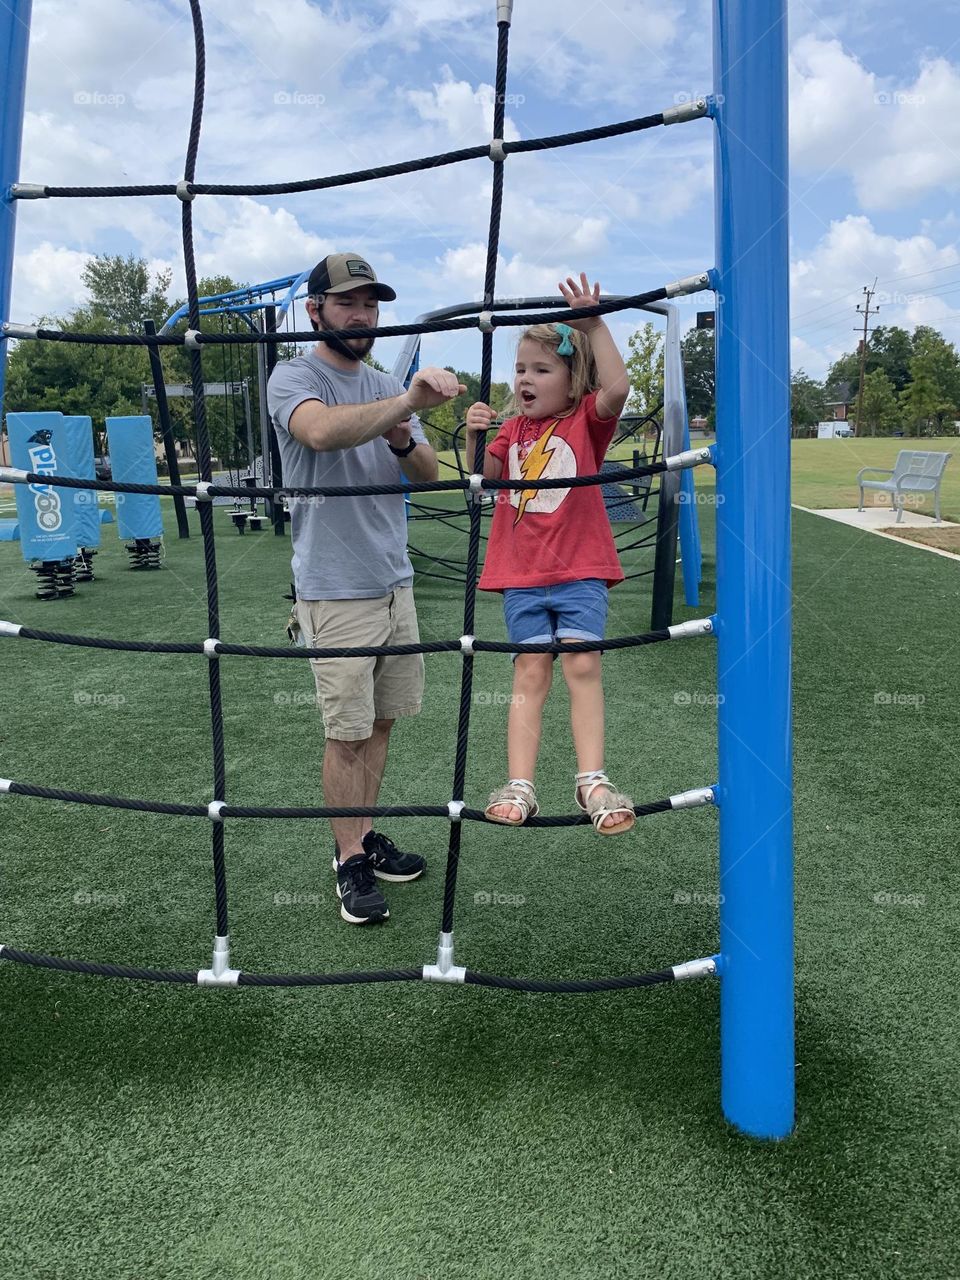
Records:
x=338, y=344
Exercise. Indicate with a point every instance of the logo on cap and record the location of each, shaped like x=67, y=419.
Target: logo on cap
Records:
x=357, y=267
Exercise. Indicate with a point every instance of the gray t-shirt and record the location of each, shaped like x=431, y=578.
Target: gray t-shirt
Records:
x=343, y=548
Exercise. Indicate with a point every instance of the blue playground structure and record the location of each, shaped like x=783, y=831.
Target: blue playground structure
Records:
x=754, y=963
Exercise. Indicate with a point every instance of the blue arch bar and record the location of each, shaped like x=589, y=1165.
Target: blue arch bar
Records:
x=753, y=566
x=14, y=38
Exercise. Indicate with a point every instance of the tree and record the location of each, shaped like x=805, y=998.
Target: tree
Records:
x=699, y=373
x=940, y=361
x=890, y=351
x=121, y=291
x=806, y=404
x=80, y=379
x=645, y=370
x=881, y=412
x=921, y=400
x=845, y=371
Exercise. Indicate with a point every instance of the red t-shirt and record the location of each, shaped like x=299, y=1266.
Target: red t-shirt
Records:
x=540, y=537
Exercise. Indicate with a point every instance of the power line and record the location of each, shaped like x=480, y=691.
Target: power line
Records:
x=867, y=313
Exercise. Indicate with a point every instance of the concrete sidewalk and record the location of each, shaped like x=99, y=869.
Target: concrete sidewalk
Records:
x=878, y=520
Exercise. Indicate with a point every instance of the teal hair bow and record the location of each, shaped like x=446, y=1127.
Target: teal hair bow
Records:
x=566, y=346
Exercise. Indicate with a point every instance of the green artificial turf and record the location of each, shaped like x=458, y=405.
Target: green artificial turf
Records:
x=424, y=1131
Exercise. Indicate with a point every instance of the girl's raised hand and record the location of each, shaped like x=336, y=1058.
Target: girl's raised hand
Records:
x=579, y=295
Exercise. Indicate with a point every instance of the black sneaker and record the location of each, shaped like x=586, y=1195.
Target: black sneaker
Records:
x=389, y=862
x=361, y=902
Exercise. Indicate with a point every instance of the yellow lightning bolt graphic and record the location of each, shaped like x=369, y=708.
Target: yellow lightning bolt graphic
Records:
x=533, y=467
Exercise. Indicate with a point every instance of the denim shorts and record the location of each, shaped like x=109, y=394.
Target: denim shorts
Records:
x=566, y=611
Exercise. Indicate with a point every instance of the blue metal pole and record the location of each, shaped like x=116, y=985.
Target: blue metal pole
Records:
x=753, y=567
x=14, y=38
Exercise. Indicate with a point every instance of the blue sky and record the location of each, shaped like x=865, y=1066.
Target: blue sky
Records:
x=300, y=88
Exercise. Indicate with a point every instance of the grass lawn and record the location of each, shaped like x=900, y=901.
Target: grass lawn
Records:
x=824, y=472
x=423, y=1132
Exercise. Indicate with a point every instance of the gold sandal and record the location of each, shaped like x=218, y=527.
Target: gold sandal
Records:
x=601, y=806
x=518, y=792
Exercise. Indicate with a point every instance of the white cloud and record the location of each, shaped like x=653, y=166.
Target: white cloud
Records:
x=47, y=282
x=896, y=140
x=465, y=111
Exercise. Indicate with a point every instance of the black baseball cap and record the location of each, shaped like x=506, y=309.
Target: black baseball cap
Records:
x=341, y=272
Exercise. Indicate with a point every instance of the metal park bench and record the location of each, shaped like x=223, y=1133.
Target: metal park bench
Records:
x=916, y=471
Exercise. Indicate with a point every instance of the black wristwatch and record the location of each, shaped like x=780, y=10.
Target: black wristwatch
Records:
x=403, y=453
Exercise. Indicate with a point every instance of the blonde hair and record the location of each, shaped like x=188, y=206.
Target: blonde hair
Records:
x=583, y=368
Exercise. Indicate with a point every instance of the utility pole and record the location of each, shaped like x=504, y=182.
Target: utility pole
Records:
x=867, y=313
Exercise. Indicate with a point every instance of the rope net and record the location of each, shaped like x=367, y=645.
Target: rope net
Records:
x=213, y=648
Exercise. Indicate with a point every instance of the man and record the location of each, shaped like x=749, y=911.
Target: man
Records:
x=341, y=422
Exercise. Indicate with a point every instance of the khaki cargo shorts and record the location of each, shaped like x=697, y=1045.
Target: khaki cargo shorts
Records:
x=353, y=692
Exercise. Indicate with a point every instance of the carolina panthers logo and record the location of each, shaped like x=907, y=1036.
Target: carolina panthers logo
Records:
x=41, y=437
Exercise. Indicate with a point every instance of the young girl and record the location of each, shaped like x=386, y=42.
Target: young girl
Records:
x=551, y=551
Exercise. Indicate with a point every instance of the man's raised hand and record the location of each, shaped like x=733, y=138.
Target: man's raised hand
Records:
x=431, y=387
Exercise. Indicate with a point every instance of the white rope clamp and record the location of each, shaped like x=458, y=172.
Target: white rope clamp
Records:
x=5, y=785
x=191, y=339
x=684, y=111
x=28, y=191
x=219, y=974
x=10, y=475
x=704, y=968
x=183, y=193
x=497, y=153
x=476, y=484
x=693, y=799
x=10, y=628
x=485, y=321
x=454, y=809
x=211, y=648
x=215, y=810
x=696, y=627
x=203, y=491
x=466, y=644
x=11, y=330
x=689, y=458
x=689, y=284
